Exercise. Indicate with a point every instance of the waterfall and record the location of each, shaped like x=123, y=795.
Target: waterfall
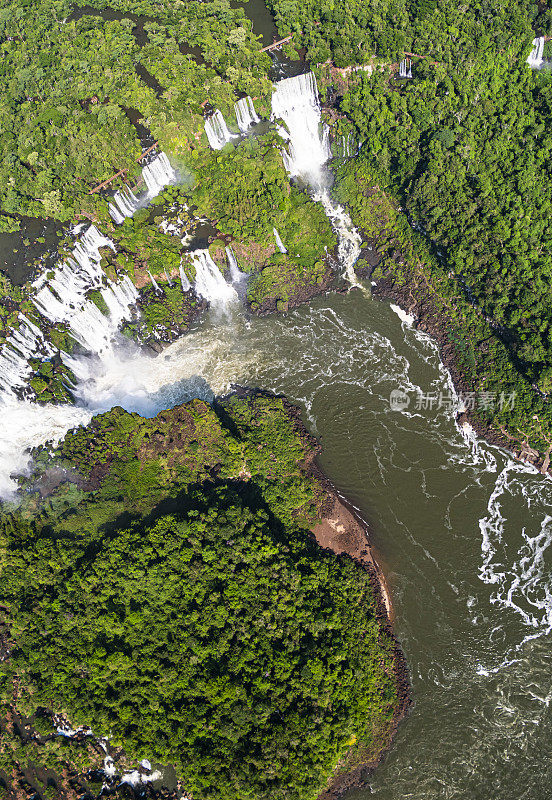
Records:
x=65, y=292
x=186, y=285
x=348, y=238
x=295, y=101
x=405, y=68
x=236, y=275
x=279, y=243
x=64, y=299
x=154, y=283
x=217, y=130
x=535, y=59
x=124, y=204
x=22, y=343
x=210, y=283
x=156, y=175
x=246, y=116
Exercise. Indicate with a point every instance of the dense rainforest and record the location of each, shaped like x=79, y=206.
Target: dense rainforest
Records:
x=464, y=150
x=180, y=606
x=72, y=84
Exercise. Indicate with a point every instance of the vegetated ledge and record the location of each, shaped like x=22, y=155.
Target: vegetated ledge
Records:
x=114, y=516
x=404, y=268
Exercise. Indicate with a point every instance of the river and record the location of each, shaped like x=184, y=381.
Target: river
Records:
x=462, y=531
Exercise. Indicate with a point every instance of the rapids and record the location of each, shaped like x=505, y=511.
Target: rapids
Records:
x=463, y=532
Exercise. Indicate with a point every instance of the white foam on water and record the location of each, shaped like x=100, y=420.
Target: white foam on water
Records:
x=408, y=319
x=521, y=579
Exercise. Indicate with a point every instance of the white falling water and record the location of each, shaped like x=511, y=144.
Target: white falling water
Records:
x=156, y=175
x=246, y=116
x=536, y=59
x=295, y=101
x=23, y=342
x=65, y=292
x=184, y=280
x=154, y=283
x=405, y=68
x=279, y=243
x=217, y=130
x=210, y=283
x=236, y=275
x=124, y=204
x=61, y=298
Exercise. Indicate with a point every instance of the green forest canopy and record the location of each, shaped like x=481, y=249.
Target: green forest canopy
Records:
x=191, y=617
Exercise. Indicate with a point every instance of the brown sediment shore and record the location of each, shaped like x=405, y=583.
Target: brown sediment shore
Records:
x=344, y=532
x=341, y=530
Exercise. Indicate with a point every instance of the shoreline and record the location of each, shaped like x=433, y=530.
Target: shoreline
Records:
x=342, y=530
x=428, y=320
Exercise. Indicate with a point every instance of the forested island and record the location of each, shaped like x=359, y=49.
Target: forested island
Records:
x=181, y=612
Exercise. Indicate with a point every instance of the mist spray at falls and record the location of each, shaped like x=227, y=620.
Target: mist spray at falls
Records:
x=295, y=102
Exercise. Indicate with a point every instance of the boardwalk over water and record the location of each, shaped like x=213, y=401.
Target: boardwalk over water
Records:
x=105, y=183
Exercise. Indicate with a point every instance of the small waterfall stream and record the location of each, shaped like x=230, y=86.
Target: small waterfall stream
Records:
x=536, y=56
x=236, y=275
x=157, y=174
x=279, y=243
x=217, y=130
x=246, y=116
x=295, y=101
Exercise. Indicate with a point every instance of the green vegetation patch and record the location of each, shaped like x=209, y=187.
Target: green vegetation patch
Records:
x=159, y=585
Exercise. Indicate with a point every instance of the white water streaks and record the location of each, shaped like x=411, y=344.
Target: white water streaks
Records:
x=405, y=68
x=157, y=174
x=64, y=298
x=217, y=130
x=210, y=284
x=27, y=425
x=279, y=243
x=295, y=101
x=124, y=204
x=348, y=238
x=408, y=319
x=536, y=56
x=236, y=275
x=519, y=571
x=184, y=280
x=246, y=116
x=22, y=343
